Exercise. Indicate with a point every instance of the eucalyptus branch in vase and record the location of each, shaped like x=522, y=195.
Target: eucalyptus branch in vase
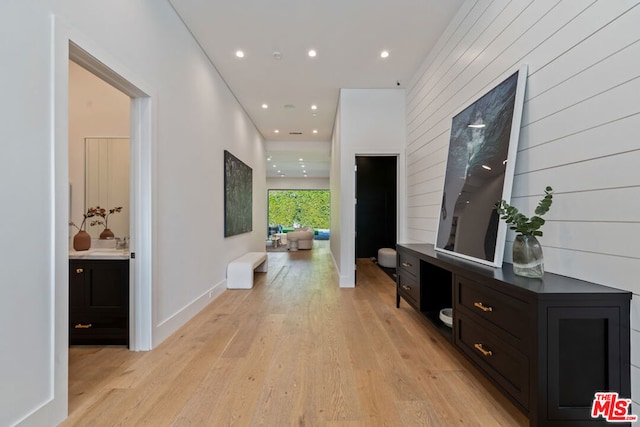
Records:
x=528, y=260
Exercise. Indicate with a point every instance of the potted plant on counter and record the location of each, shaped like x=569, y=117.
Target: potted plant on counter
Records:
x=106, y=233
x=82, y=239
x=528, y=260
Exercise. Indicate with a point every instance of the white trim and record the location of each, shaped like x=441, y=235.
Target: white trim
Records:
x=55, y=410
x=141, y=271
x=86, y=54
x=348, y=280
x=186, y=313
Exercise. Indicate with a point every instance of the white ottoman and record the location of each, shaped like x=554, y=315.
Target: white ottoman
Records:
x=387, y=257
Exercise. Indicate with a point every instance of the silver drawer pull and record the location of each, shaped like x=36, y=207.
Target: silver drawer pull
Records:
x=407, y=264
x=406, y=287
x=482, y=307
x=484, y=351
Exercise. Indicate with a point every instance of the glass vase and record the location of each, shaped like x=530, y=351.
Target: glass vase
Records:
x=527, y=257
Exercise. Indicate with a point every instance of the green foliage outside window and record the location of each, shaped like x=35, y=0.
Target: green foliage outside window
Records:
x=310, y=208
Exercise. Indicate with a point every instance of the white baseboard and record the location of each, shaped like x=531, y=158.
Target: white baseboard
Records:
x=168, y=326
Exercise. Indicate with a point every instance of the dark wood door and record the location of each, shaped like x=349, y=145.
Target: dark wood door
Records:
x=376, y=208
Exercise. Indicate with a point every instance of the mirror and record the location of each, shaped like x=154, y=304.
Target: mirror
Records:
x=479, y=173
x=107, y=181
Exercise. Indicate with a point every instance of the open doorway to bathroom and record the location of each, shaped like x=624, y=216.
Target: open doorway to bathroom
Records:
x=136, y=94
x=99, y=151
x=99, y=181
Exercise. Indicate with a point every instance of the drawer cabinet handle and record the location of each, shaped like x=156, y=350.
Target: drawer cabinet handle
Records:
x=482, y=307
x=481, y=349
x=81, y=326
x=79, y=270
x=407, y=264
x=406, y=287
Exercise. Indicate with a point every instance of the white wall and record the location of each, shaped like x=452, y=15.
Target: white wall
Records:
x=297, y=183
x=579, y=131
x=194, y=119
x=371, y=121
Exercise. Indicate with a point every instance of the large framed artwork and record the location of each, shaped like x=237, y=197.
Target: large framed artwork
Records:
x=479, y=173
x=238, y=196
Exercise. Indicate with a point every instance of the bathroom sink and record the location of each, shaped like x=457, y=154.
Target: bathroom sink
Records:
x=105, y=251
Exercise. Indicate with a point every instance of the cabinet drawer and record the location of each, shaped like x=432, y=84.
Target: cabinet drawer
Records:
x=409, y=263
x=502, y=362
x=94, y=321
x=504, y=311
x=409, y=289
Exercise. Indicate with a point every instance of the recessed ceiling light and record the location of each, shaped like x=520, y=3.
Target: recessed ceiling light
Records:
x=274, y=166
x=239, y=54
x=314, y=107
x=269, y=159
x=305, y=175
x=302, y=166
x=384, y=54
x=304, y=171
x=315, y=131
x=300, y=159
x=265, y=106
x=476, y=126
x=312, y=53
x=276, y=131
x=279, y=171
x=314, y=115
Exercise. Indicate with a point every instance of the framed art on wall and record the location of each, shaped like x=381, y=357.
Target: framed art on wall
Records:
x=238, y=196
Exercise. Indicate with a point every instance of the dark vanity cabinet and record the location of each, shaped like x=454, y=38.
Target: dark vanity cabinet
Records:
x=99, y=301
x=548, y=344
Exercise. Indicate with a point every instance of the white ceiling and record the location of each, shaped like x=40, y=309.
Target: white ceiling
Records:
x=348, y=36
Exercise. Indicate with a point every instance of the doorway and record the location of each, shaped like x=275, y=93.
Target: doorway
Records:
x=376, y=207
x=140, y=185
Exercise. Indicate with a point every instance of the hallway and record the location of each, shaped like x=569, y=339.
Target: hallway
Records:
x=294, y=350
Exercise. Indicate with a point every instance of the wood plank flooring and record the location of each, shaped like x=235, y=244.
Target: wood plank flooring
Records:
x=296, y=350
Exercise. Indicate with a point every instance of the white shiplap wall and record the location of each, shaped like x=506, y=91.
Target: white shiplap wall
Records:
x=580, y=130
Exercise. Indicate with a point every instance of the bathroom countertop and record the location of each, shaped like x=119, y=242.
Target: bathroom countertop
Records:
x=100, y=253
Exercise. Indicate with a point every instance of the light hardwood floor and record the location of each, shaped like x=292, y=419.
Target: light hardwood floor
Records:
x=294, y=350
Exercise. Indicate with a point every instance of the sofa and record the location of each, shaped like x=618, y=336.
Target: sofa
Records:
x=301, y=238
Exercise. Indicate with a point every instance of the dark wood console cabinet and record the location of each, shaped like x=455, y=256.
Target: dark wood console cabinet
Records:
x=548, y=344
x=98, y=302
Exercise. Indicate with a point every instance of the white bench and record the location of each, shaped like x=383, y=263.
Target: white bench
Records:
x=240, y=270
